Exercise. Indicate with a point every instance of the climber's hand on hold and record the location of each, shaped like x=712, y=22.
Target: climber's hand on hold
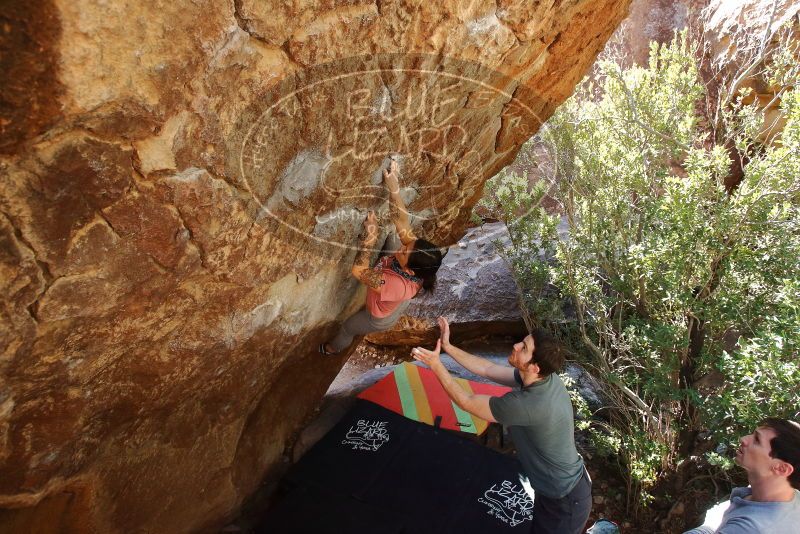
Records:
x=391, y=178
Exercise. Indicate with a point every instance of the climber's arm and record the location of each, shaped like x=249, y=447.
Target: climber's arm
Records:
x=361, y=270
x=397, y=207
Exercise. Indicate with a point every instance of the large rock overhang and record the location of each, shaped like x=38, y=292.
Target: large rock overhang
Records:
x=182, y=186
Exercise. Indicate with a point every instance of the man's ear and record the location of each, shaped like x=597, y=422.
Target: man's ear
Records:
x=783, y=469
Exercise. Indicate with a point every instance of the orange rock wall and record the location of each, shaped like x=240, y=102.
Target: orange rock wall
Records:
x=167, y=270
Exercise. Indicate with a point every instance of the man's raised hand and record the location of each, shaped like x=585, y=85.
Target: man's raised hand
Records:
x=444, y=332
x=428, y=357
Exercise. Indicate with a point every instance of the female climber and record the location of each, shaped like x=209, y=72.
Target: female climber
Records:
x=395, y=280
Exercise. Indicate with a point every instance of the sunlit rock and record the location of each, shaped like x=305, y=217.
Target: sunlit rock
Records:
x=182, y=186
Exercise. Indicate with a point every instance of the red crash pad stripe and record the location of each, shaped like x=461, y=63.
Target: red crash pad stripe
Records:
x=440, y=403
x=384, y=392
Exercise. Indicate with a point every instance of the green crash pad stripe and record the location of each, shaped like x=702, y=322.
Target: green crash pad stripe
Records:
x=406, y=395
x=465, y=419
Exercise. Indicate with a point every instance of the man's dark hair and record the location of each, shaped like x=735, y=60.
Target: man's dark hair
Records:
x=785, y=445
x=425, y=260
x=548, y=353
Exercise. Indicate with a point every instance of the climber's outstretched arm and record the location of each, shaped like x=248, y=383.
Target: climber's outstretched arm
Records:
x=397, y=206
x=361, y=269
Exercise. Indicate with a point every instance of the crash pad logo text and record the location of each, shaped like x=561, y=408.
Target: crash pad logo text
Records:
x=508, y=502
x=367, y=435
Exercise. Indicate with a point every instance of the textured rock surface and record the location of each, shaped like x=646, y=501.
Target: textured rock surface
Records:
x=735, y=29
x=177, y=221
x=649, y=20
x=735, y=34
x=474, y=290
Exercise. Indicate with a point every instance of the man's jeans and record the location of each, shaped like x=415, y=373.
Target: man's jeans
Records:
x=567, y=515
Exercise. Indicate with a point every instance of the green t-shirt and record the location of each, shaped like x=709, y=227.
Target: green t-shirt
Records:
x=539, y=418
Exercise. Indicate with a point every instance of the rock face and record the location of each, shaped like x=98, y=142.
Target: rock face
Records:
x=474, y=290
x=734, y=30
x=181, y=190
x=737, y=35
x=649, y=20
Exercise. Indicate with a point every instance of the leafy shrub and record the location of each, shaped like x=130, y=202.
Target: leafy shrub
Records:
x=685, y=290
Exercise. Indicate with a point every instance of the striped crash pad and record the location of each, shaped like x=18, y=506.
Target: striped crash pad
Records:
x=416, y=393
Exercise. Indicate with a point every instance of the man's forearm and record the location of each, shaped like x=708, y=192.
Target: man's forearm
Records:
x=477, y=405
x=451, y=387
x=501, y=374
x=472, y=363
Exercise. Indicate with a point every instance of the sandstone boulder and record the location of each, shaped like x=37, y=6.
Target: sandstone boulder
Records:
x=181, y=189
x=736, y=30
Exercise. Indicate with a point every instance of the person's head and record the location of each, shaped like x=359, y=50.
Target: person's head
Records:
x=772, y=451
x=537, y=352
x=422, y=257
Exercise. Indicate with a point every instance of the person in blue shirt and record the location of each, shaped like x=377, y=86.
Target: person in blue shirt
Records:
x=771, y=504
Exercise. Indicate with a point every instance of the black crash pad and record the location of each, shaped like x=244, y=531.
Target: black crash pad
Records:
x=377, y=471
x=309, y=510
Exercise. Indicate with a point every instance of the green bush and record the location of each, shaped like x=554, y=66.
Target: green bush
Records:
x=686, y=292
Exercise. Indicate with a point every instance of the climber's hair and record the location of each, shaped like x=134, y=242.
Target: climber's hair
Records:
x=548, y=353
x=425, y=260
x=785, y=445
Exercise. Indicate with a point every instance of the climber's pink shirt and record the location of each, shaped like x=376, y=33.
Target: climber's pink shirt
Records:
x=395, y=290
